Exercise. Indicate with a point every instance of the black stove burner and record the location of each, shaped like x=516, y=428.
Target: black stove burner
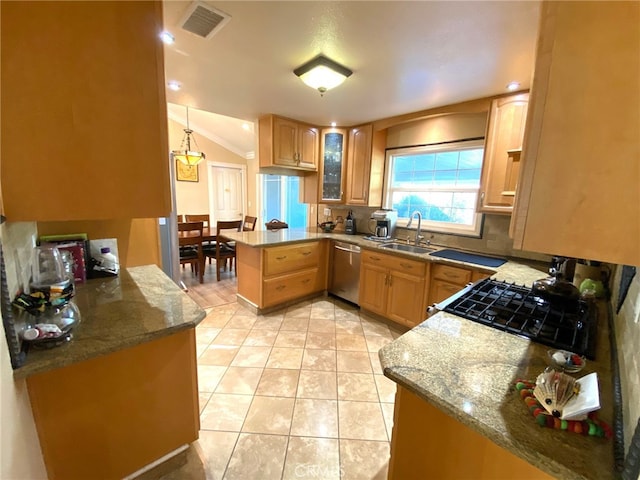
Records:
x=515, y=309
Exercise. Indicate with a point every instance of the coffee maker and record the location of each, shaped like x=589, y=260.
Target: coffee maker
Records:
x=382, y=224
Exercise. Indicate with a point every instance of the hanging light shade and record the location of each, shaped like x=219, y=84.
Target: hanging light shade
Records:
x=322, y=73
x=185, y=154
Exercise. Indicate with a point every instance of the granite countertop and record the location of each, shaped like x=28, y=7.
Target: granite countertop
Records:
x=140, y=305
x=468, y=371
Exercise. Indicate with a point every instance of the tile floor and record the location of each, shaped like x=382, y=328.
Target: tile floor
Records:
x=296, y=394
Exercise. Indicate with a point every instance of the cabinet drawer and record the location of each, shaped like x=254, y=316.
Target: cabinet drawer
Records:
x=459, y=276
x=291, y=286
x=290, y=258
x=392, y=262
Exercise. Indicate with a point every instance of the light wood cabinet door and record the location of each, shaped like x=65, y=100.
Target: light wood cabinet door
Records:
x=365, y=166
x=440, y=290
x=332, y=165
x=448, y=273
x=308, y=147
x=405, y=303
x=578, y=193
x=285, y=142
x=290, y=286
x=289, y=258
x=373, y=288
x=501, y=164
x=88, y=107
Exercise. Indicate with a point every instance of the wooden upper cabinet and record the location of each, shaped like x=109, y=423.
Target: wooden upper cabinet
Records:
x=365, y=166
x=579, y=193
x=501, y=164
x=332, y=165
x=287, y=143
x=84, y=130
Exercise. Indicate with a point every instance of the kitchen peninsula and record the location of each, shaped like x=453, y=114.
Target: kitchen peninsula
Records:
x=123, y=393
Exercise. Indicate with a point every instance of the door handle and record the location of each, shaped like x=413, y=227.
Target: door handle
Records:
x=281, y=258
x=305, y=253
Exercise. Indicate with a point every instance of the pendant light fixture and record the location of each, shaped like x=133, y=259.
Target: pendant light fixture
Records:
x=322, y=73
x=186, y=155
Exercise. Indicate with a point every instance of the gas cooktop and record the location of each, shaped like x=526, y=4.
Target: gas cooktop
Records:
x=516, y=309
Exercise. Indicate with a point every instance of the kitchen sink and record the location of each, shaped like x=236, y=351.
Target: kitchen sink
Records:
x=403, y=247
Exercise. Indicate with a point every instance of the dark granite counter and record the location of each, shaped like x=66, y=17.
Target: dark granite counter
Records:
x=140, y=305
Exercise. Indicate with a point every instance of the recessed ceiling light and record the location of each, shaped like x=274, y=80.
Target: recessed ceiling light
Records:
x=245, y=126
x=333, y=124
x=167, y=38
x=511, y=86
x=173, y=85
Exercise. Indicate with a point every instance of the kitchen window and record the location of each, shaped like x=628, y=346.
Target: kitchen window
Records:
x=280, y=199
x=441, y=181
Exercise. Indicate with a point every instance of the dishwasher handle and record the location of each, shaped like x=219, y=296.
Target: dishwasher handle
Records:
x=345, y=248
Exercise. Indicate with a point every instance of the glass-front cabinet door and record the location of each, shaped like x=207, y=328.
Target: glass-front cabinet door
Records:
x=334, y=143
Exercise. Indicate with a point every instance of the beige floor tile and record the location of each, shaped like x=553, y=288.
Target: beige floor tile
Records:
x=261, y=338
x=225, y=412
x=249, y=356
x=361, y=420
x=346, y=315
x=375, y=327
x=321, y=340
x=209, y=376
x=312, y=459
x=203, y=398
x=386, y=389
x=315, y=359
x=282, y=357
x=215, y=450
x=376, y=342
x=231, y=336
x=269, y=415
x=347, y=341
x=323, y=303
x=241, y=321
x=316, y=384
x=240, y=380
x=277, y=315
x=357, y=386
x=290, y=339
x=357, y=362
x=295, y=324
x=363, y=460
x=353, y=327
x=344, y=305
x=387, y=414
x=205, y=335
x=200, y=348
x=326, y=313
x=218, y=355
x=278, y=382
x=303, y=311
x=256, y=456
x=315, y=418
x=375, y=362
x=322, y=325
x=265, y=323
x=215, y=319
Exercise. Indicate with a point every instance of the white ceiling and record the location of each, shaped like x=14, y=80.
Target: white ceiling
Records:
x=406, y=57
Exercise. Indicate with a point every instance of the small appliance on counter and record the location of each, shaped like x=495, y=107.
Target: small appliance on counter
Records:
x=382, y=225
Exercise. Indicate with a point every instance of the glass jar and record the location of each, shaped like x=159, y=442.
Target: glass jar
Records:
x=53, y=326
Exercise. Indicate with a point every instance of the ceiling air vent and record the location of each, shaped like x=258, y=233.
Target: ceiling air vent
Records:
x=204, y=20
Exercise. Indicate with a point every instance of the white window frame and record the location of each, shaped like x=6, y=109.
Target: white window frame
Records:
x=474, y=230
x=260, y=192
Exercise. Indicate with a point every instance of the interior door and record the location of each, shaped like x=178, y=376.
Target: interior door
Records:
x=227, y=193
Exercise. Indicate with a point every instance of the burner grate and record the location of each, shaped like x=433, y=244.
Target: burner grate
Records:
x=515, y=309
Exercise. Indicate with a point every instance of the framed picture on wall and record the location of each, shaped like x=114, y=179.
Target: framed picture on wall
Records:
x=186, y=173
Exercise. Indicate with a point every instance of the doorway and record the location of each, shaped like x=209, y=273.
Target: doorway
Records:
x=227, y=191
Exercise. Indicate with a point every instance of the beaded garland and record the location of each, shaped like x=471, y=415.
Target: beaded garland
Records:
x=590, y=426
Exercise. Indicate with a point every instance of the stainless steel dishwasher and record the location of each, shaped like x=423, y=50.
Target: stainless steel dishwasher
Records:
x=345, y=271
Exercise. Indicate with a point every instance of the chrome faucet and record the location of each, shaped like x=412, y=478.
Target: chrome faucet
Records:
x=418, y=236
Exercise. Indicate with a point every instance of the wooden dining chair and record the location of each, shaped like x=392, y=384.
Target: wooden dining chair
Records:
x=249, y=224
x=223, y=250
x=190, y=243
x=204, y=218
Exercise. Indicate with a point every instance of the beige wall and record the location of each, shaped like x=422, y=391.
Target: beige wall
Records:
x=20, y=454
x=627, y=328
x=193, y=197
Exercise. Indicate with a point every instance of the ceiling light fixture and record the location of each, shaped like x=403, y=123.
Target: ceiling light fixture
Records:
x=322, y=73
x=186, y=155
x=167, y=38
x=511, y=86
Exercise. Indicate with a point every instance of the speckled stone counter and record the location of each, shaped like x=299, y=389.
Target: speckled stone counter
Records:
x=468, y=370
x=140, y=305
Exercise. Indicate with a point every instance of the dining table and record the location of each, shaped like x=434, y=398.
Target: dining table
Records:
x=187, y=238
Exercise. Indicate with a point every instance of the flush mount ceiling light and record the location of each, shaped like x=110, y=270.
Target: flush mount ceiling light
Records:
x=186, y=155
x=512, y=86
x=322, y=73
